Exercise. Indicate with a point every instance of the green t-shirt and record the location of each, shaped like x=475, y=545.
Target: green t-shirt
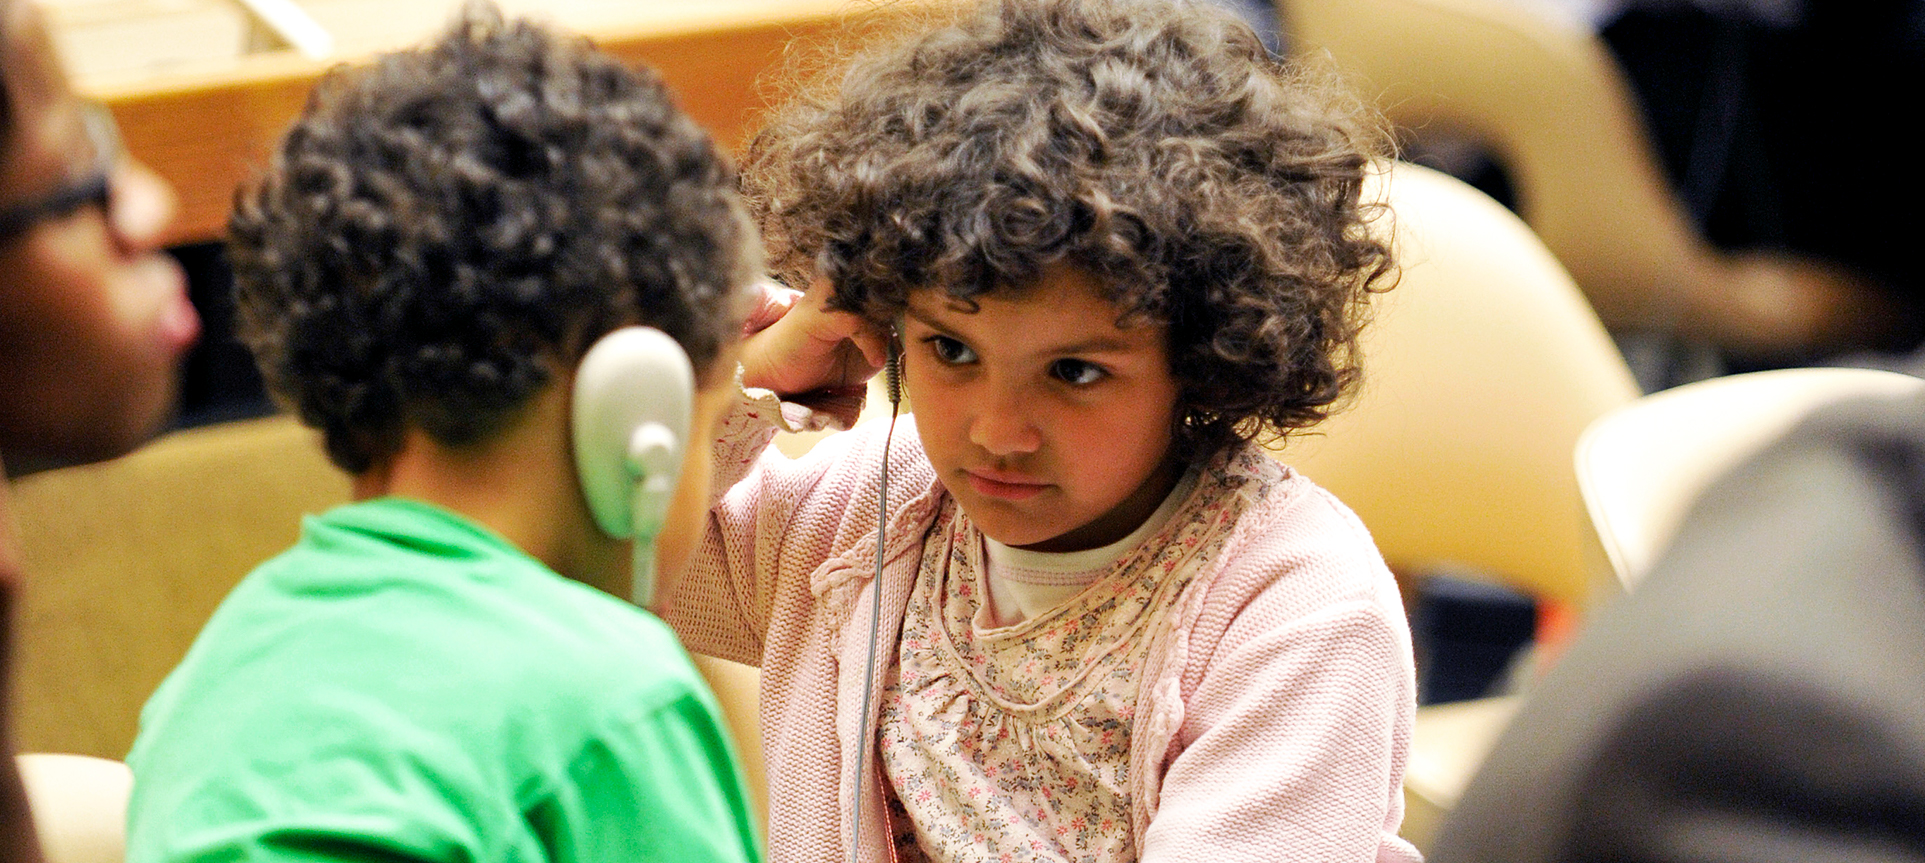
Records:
x=405, y=685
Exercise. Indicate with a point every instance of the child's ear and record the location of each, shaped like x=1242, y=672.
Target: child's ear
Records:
x=634, y=393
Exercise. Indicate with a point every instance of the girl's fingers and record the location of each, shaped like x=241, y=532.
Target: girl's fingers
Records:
x=796, y=345
x=874, y=345
x=774, y=302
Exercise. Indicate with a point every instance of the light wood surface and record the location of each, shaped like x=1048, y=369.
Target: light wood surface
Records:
x=202, y=90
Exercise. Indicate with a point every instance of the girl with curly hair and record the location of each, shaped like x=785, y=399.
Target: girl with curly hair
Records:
x=1071, y=610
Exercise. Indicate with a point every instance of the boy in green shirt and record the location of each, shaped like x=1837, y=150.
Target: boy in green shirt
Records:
x=438, y=671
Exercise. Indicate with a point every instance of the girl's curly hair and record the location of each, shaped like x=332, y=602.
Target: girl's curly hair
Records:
x=1154, y=143
x=445, y=231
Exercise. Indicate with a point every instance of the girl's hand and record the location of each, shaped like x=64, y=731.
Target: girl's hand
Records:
x=795, y=346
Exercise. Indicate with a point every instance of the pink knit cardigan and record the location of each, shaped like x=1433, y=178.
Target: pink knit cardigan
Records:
x=1275, y=711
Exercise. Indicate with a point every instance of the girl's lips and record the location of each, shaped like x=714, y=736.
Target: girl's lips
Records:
x=1004, y=486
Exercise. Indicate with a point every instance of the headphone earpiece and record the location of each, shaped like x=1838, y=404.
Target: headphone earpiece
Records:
x=634, y=397
x=892, y=371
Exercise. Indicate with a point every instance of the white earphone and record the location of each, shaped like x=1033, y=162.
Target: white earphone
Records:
x=634, y=396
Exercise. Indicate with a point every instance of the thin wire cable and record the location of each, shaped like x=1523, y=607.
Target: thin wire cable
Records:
x=875, y=610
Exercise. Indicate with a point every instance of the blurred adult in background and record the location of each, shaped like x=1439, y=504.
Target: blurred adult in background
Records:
x=1759, y=696
x=94, y=316
x=1755, y=107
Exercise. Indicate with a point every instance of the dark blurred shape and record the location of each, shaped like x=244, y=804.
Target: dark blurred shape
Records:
x=218, y=380
x=1468, y=633
x=1835, y=786
x=1786, y=136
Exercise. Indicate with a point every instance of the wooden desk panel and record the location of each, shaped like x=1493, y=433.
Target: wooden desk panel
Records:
x=205, y=140
x=207, y=125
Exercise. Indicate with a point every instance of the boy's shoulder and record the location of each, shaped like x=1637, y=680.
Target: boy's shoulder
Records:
x=411, y=566
x=416, y=608
x=397, y=640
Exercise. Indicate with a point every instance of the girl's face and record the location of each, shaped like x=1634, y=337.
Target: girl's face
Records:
x=1049, y=422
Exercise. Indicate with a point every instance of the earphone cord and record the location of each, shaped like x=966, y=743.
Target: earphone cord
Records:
x=874, y=607
x=875, y=623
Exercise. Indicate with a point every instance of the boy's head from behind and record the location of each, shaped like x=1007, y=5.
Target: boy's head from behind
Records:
x=444, y=233
x=1151, y=144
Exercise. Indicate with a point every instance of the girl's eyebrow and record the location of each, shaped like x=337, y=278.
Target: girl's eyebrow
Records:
x=925, y=320
x=1099, y=344
x=1094, y=345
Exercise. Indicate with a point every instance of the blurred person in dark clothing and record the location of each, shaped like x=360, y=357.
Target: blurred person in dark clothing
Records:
x=1760, y=695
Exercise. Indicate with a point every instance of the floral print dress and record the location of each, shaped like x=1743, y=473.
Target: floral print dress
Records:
x=1013, y=743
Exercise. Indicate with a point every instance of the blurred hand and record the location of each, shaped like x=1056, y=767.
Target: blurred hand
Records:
x=1778, y=305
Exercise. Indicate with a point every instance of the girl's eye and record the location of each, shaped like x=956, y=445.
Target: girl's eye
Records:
x=1078, y=372
x=950, y=351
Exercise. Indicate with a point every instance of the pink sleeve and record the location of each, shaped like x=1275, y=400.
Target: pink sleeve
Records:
x=1292, y=749
x=774, y=522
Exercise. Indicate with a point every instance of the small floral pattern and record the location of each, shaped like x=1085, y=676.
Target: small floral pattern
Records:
x=1012, y=743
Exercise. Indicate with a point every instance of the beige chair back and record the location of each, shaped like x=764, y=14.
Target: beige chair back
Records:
x=1481, y=368
x=127, y=559
x=1641, y=466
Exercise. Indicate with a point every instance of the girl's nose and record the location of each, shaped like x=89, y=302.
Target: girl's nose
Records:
x=1002, y=425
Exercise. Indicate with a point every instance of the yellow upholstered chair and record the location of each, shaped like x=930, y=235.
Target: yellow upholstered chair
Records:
x=738, y=689
x=1641, y=466
x=129, y=558
x=1481, y=369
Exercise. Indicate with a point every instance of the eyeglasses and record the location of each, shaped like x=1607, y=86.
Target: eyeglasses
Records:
x=94, y=188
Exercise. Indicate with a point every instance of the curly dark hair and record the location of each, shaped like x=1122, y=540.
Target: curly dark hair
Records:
x=1154, y=143
x=445, y=231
